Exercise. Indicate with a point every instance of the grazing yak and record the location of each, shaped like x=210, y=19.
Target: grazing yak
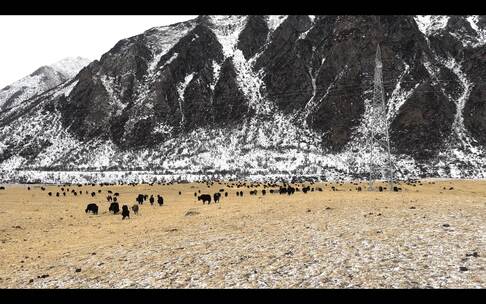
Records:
x=151, y=200
x=160, y=200
x=114, y=207
x=93, y=208
x=125, y=212
x=204, y=198
x=135, y=209
x=216, y=197
x=140, y=199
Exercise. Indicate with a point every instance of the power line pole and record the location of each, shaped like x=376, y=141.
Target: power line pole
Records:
x=378, y=140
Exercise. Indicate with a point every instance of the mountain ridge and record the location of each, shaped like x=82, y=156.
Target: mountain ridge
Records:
x=44, y=78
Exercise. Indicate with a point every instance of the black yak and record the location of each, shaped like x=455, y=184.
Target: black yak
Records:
x=125, y=212
x=204, y=198
x=140, y=199
x=114, y=207
x=135, y=209
x=93, y=208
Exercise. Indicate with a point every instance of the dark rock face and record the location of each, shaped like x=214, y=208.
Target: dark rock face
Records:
x=86, y=112
x=253, y=36
x=475, y=108
x=423, y=123
x=286, y=73
x=230, y=105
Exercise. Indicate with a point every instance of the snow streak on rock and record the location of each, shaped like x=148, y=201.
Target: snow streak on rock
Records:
x=251, y=84
x=160, y=41
x=181, y=89
x=399, y=95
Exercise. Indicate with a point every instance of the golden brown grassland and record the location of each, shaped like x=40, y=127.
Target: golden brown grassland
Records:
x=423, y=237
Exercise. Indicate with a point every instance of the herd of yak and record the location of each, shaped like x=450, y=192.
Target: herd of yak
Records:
x=270, y=188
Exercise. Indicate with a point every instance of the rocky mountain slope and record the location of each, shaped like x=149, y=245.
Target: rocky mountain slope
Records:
x=263, y=96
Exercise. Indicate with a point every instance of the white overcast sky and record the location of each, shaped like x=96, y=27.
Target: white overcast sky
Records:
x=28, y=42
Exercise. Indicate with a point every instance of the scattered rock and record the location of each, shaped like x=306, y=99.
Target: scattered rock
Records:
x=31, y=281
x=446, y=225
x=43, y=276
x=462, y=268
x=78, y=269
x=308, y=210
x=17, y=227
x=93, y=253
x=191, y=213
x=413, y=207
x=474, y=254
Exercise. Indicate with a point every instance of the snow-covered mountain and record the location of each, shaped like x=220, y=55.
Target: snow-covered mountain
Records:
x=262, y=96
x=43, y=79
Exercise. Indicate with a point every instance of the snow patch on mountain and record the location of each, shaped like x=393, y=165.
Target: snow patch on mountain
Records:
x=274, y=21
x=251, y=84
x=430, y=24
x=480, y=32
x=227, y=30
x=70, y=66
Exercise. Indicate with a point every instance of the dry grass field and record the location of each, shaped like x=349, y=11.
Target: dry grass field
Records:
x=422, y=237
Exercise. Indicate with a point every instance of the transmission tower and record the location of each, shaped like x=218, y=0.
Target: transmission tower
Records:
x=380, y=162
